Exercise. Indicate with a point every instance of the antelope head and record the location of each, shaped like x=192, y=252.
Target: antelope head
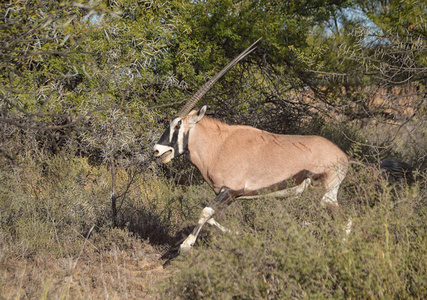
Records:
x=174, y=141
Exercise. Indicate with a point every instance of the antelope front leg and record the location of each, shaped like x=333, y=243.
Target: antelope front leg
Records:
x=206, y=215
x=219, y=226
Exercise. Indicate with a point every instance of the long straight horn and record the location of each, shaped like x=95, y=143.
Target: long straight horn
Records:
x=199, y=94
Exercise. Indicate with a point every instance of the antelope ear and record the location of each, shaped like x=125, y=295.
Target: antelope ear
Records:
x=198, y=116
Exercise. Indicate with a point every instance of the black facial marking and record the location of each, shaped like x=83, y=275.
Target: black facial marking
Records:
x=174, y=141
x=164, y=139
x=186, y=136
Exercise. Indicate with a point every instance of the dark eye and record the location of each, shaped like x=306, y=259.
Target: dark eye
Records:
x=178, y=126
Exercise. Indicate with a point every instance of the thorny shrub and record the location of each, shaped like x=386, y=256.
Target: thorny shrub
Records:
x=292, y=248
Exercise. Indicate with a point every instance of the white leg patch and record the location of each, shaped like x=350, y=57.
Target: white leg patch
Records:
x=294, y=191
x=188, y=243
x=206, y=214
x=211, y=221
x=304, y=185
x=330, y=197
x=349, y=226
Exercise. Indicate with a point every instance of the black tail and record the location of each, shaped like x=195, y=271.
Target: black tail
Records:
x=397, y=170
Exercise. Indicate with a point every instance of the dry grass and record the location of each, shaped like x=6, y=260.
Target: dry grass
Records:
x=57, y=240
x=117, y=273
x=293, y=249
x=47, y=213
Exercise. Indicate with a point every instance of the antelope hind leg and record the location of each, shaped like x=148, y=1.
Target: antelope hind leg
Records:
x=289, y=192
x=330, y=199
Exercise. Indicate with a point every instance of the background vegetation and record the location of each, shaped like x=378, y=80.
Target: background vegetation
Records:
x=86, y=88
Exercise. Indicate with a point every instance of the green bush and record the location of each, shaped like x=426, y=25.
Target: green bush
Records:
x=288, y=248
x=51, y=203
x=57, y=237
x=293, y=249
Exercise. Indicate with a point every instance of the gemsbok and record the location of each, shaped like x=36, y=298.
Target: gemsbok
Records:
x=242, y=162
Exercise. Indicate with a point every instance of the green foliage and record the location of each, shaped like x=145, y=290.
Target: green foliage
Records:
x=398, y=16
x=83, y=58
x=47, y=205
x=84, y=89
x=284, y=248
x=288, y=249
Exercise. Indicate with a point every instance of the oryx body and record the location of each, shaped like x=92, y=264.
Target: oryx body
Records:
x=242, y=162
x=250, y=161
